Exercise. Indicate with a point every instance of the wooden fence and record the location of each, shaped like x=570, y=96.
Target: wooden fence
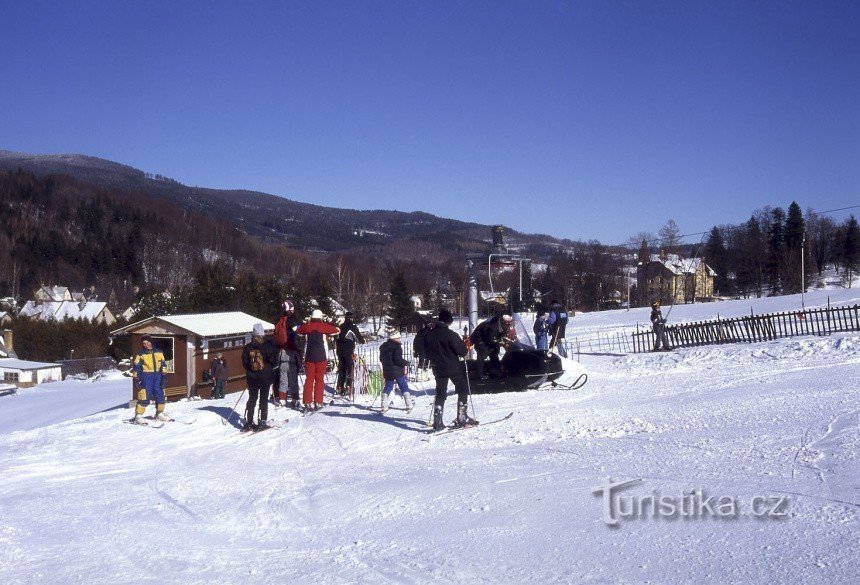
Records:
x=754, y=328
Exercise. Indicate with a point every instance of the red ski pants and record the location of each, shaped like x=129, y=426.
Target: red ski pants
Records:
x=314, y=382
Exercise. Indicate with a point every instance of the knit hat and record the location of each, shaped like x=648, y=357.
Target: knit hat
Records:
x=507, y=318
x=445, y=316
x=288, y=307
x=317, y=314
x=394, y=334
x=259, y=331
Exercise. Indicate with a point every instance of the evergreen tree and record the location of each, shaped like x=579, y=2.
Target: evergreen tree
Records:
x=776, y=250
x=851, y=249
x=401, y=307
x=716, y=256
x=794, y=247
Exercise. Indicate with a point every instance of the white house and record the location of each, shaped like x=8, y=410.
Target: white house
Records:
x=95, y=311
x=24, y=374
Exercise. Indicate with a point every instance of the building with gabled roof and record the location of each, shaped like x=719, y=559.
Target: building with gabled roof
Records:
x=191, y=342
x=94, y=311
x=52, y=293
x=670, y=279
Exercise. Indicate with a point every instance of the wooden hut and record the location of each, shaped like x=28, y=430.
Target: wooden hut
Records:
x=191, y=342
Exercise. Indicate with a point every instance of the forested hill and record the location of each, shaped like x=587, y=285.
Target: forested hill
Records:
x=299, y=225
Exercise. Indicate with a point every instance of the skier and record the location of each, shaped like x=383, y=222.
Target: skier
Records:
x=659, y=324
x=259, y=358
x=219, y=376
x=345, y=348
x=316, y=362
x=541, y=329
x=445, y=349
x=557, y=320
x=394, y=370
x=420, y=351
x=289, y=357
x=150, y=379
x=488, y=338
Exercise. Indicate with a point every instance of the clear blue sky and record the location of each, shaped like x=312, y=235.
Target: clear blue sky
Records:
x=580, y=119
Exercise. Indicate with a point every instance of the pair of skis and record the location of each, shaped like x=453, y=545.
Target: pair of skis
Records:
x=152, y=423
x=454, y=428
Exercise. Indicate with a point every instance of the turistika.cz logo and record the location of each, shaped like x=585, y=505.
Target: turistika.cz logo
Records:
x=691, y=504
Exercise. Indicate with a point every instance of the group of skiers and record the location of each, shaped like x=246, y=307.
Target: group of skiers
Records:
x=275, y=363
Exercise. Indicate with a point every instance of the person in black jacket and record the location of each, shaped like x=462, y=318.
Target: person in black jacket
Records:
x=259, y=358
x=445, y=350
x=345, y=348
x=420, y=351
x=488, y=338
x=394, y=370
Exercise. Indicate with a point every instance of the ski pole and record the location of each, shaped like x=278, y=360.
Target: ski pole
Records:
x=224, y=421
x=469, y=389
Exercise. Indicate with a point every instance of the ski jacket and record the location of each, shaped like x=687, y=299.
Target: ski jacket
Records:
x=657, y=317
x=219, y=370
x=490, y=333
x=149, y=361
x=444, y=350
x=557, y=320
x=391, y=358
x=541, y=330
x=315, y=346
x=265, y=376
x=347, y=338
x=418, y=345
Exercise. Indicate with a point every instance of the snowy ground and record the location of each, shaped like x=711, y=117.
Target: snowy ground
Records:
x=348, y=496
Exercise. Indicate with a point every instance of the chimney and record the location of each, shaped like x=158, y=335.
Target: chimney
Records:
x=7, y=340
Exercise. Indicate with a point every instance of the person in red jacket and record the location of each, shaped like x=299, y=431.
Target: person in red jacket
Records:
x=316, y=358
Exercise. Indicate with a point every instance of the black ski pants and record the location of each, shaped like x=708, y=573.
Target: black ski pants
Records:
x=255, y=394
x=460, y=385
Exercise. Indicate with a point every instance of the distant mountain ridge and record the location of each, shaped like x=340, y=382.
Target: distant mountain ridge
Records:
x=270, y=217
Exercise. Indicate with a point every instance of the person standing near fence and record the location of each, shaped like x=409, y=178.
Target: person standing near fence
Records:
x=659, y=325
x=316, y=358
x=394, y=371
x=557, y=320
x=345, y=349
x=419, y=350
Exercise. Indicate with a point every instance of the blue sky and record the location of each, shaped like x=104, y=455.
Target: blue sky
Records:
x=593, y=119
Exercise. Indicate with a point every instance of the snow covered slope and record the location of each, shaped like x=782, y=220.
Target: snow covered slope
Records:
x=349, y=496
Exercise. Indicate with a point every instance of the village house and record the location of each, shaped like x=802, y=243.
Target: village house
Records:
x=57, y=303
x=670, y=279
x=22, y=373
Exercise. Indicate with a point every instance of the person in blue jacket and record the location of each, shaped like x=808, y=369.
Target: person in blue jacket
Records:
x=149, y=365
x=541, y=330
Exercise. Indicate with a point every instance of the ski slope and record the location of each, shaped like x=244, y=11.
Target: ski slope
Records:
x=349, y=496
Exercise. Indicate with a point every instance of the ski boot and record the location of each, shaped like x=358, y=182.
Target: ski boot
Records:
x=438, y=425
x=410, y=402
x=163, y=417
x=385, y=399
x=463, y=419
x=138, y=420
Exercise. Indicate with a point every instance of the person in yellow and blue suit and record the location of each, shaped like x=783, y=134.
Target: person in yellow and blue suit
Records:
x=149, y=373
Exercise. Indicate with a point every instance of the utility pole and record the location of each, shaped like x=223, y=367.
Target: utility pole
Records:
x=802, y=270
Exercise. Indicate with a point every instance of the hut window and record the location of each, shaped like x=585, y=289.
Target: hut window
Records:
x=10, y=376
x=165, y=346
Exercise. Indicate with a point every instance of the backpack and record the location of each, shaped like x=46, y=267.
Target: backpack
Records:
x=255, y=360
x=280, y=337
